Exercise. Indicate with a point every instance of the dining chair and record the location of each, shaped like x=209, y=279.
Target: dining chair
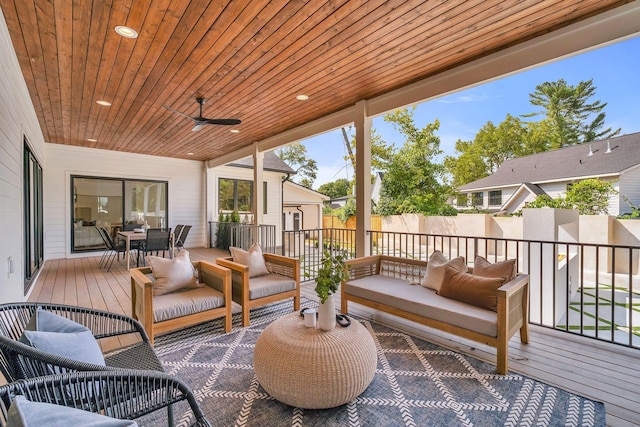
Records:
x=158, y=240
x=113, y=248
x=180, y=238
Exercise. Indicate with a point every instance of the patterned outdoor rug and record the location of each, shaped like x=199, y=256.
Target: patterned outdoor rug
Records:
x=416, y=384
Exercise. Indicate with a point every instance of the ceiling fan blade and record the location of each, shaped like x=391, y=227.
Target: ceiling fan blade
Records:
x=228, y=122
x=197, y=127
x=177, y=112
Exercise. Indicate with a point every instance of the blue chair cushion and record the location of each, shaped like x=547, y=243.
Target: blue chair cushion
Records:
x=58, y=335
x=24, y=413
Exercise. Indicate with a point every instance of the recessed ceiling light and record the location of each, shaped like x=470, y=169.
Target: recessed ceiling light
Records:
x=92, y=140
x=302, y=97
x=234, y=131
x=189, y=154
x=105, y=103
x=127, y=32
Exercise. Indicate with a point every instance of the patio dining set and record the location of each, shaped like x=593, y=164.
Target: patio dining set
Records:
x=143, y=241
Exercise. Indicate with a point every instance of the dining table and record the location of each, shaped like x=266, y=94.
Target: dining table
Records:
x=130, y=236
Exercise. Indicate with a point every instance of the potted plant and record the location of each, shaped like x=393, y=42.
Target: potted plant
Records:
x=331, y=274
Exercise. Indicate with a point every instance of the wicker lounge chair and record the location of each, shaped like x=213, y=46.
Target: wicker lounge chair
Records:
x=125, y=395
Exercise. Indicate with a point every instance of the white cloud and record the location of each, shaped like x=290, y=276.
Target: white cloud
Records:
x=472, y=97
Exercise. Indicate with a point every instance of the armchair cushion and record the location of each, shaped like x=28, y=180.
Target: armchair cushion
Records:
x=186, y=302
x=173, y=274
x=58, y=335
x=252, y=258
x=270, y=284
x=24, y=413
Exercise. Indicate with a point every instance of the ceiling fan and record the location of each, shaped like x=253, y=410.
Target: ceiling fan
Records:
x=201, y=121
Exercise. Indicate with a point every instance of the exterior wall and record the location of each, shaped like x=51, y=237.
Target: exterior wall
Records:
x=17, y=120
x=629, y=182
x=274, y=194
x=305, y=202
x=629, y=187
x=185, y=192
x=310, y=216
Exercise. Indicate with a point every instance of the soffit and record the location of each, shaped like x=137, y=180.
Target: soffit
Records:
x=248, y=59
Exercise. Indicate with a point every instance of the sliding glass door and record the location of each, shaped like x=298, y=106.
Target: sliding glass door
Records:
x=114, y=203
x=33, y=220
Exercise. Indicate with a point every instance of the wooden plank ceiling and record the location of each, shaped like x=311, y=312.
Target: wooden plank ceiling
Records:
x=249, y=59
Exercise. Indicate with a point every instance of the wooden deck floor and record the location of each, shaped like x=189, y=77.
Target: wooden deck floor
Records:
x=604, y=372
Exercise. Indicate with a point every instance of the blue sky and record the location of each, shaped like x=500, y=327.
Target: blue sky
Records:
x=615, y=70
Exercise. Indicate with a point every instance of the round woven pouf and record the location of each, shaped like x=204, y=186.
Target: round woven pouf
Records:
x=308, y=368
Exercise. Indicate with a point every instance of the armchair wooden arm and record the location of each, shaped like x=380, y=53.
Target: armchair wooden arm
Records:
x=212, y=275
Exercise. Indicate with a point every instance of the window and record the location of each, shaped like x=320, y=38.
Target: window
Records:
x=462, y=200
x=478, y=199
x=33, y=218
x=111, y=203
x=237, y=195
x=495, y=198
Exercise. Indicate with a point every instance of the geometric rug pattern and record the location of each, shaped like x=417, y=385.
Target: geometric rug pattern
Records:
x=417, y=383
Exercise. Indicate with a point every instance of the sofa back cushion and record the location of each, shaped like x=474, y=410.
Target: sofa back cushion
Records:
x=472, y=289
x=484, y=268
x=434, y=276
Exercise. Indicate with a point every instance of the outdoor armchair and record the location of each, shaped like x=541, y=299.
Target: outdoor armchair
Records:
x=125, y=395
x=281, y=281
x=127, y=343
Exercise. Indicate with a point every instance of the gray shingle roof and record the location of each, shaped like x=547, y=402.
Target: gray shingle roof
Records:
x=271, y=162
x=565, y=163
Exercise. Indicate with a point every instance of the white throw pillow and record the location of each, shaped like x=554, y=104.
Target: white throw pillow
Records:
x=252, y=258
x=436, y=268
x=173, y=274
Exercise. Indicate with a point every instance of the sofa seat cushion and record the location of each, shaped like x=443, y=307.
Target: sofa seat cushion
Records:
x=186, y=302
x=270, y=284
x=398, y=293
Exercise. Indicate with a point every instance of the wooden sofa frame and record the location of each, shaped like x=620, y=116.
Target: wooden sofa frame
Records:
x=285, y=266
x=212, y=275
x=512, y=313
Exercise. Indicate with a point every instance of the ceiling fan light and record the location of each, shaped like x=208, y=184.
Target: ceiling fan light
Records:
x=234, y=131
x=196, y=128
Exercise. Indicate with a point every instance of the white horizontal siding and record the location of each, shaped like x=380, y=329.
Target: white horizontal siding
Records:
x=185, y=178
x=629, y=187
x=17, y=120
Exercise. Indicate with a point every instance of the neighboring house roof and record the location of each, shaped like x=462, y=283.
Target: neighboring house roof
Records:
x=271, y=162
x=520, y=195
x=566, y=163
x=292, y=188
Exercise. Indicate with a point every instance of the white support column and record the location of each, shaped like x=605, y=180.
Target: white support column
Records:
x=258, y=193
x=362, y=124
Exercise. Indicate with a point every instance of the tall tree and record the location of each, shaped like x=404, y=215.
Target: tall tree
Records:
x=413, y=179
x=493, y=145
x=295, y=155
x=573, y=118
x=381, y=152
x=334, y=189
